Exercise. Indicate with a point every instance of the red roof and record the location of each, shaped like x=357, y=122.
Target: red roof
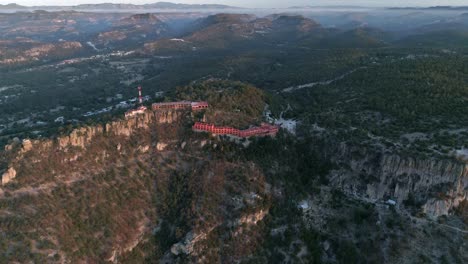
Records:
x=263, y=130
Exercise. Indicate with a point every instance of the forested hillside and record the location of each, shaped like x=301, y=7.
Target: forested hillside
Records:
x=370, y=164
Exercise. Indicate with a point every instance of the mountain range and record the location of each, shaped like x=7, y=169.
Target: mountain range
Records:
x=369, y=164
x=433, y=8
x=112, y=6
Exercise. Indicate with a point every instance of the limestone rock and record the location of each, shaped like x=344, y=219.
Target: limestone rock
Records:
x=184, y=247
x=252, y=219
x=9, y=175
x=80, y=137
x=27, y=145
x=378, y=176
x=161, y=146
x=144, y=149
x=187, y=246
x=84, y=136
x=438, y=207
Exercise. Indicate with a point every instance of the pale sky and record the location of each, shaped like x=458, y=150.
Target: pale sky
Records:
x=253, y=3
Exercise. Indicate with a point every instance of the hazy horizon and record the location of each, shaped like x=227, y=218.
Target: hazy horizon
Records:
x=256, y=4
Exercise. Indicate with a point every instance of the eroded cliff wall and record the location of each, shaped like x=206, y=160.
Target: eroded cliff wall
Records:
x=438, y=185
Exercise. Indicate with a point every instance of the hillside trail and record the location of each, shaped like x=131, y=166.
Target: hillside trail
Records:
x=327, y=82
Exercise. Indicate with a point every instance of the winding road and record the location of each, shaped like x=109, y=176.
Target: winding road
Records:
x=309, y=85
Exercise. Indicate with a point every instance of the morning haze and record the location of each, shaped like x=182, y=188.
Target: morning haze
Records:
x=261, y=3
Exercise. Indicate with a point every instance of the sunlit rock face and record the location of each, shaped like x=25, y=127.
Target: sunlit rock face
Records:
x=439, y=185
x=102, y=142
x=9, y=175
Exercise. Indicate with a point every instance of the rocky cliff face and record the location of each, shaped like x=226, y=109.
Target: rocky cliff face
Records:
x=9, y=175
x=107, y=190
x=438, y=185
x=67, y=149
x=82, y=137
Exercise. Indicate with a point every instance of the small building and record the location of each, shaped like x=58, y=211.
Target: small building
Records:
x=171, y=105
x=180, y=105
x=199, y=106
x=134, y=112
x=263, y=130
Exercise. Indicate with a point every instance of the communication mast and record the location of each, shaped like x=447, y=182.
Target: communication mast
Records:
x=138, y=111
x=140, y=97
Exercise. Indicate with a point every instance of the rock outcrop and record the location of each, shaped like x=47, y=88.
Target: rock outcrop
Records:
x=69, y=148
x=437, y=207
x=9, y=175
x=439, y=185
x=81, y=137
x=253, y=219
x=27, y=145
x=161, y=146
x=187, y=245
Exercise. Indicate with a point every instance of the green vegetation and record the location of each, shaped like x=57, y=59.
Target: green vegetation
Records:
x=295, y=162
x=462, y=211
x=231, y=103
x=445, y=39
x=392, y=100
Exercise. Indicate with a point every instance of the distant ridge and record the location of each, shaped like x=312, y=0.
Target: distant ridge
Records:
x=325, y=6
x=454, y=8
x=12, y=6
x=390, y=8
x=112, y=6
